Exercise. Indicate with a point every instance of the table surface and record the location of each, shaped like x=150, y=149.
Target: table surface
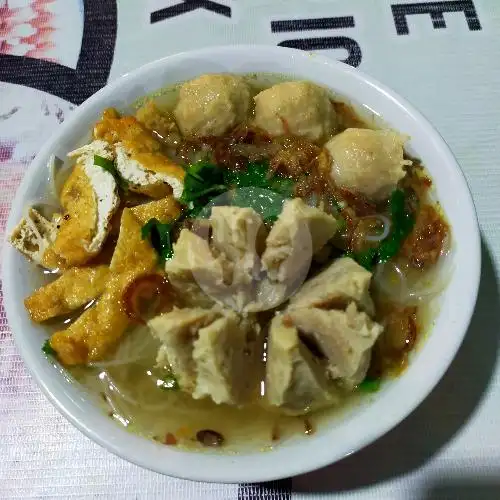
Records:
x=443, y=56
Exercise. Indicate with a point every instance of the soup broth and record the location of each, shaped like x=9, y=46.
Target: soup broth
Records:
x=409, y=267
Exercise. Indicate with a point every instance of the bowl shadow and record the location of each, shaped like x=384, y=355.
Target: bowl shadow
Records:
x=440, y=416
x=462, y=488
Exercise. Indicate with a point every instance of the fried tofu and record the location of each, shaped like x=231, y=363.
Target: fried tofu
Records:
x=132, y=251
x=139, y=156
x=89, y=199
x=164, y=210
x=100, y=327
x=150, y=173
x=33, y=236
x=72, y=290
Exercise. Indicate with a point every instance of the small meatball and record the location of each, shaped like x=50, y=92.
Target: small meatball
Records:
x=159, y=121
x=366, y=161
x=211, y=105
x=297, y=108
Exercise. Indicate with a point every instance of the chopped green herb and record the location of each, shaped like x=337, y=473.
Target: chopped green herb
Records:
x=282, y=185
x=168, y=382
x=48, y=349
x=339, y=206
x=201, y=180
x=367, y=258
x=160, y=236
x=266, y=203
x=402, y=224
x=109, y=166
x=256, y=174
x=342, y=224
x=204, y=181
x=370, y=385
x=106, y=164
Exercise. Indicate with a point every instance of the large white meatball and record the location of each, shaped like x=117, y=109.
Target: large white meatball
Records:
x=212, y=105
x=368, y=161
x=298, y=108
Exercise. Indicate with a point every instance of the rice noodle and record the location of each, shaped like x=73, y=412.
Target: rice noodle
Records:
x=386, y=222
x=138, y=351
x=393, y=281
x=312, y=200
x=138, y=345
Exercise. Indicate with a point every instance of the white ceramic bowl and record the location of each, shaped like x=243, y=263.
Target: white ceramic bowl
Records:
x=365, y=423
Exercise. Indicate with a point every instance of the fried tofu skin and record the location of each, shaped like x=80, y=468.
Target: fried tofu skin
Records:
x=139, y=156
x=164, y=210
x=78, y=224
x=33, y=237
x=72, y=290
x=98, y=329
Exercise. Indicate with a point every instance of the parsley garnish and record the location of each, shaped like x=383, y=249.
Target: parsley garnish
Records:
x=160, y=236
x=109, y=166
x=402, y=224
x=370, y=385
x=202, y=179
x=48, y=349
x=268, y=204
x=168, y=382
x=256, y=174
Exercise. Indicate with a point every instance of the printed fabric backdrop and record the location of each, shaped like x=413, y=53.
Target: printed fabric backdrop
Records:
x=443, y=56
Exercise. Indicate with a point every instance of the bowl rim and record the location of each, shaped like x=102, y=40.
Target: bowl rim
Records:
x=214, y=467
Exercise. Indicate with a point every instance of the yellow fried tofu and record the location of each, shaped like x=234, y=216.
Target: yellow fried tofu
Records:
x=100, y=327
x=131, y=251
x=140, y=158
x=97, y=330
x=150, y=173
x=51, y=260
x=164, y=210
x=33, y=236
x=89, y=198
x=113, y=128
x=72, y=290
x=78, y=223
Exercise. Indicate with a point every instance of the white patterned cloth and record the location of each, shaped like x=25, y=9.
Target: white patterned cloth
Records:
x=443, y=56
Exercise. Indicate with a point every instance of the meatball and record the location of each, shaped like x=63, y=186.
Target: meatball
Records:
x=298, y=108
x=367, y=161
x=210, y=105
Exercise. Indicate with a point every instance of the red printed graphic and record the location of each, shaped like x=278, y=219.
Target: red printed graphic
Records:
x=27, y=31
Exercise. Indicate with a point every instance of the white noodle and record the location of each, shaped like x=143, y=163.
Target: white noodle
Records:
x=386, y=228
x=392, y=281
x=136, y=346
